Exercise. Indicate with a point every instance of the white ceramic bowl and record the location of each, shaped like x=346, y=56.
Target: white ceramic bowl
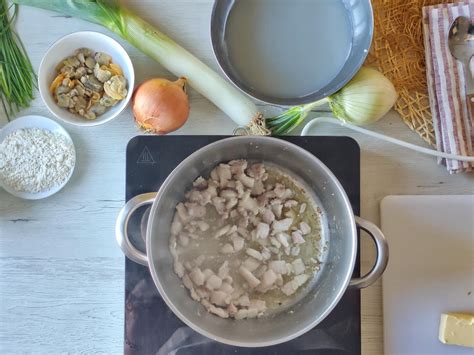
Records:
x=64, y=48
x=42, y=123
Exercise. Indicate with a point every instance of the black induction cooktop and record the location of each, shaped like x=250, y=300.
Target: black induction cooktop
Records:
x=151, y=327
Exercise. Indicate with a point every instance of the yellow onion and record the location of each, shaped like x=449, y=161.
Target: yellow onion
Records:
x=161, y=106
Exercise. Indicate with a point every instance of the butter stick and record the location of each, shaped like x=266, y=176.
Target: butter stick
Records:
x=457, y=329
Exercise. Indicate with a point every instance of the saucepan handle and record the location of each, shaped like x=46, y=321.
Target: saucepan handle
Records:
x=382, y=255
x=121, y=227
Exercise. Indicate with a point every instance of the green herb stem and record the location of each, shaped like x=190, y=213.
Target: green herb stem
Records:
x=292, y=118
x=17, y=77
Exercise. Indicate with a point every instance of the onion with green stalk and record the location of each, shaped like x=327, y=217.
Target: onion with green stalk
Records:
x=240, y=108
x=364, y=99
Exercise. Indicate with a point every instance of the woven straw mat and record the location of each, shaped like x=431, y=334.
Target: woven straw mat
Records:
x=398, y=52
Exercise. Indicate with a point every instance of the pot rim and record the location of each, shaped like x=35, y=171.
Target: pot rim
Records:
x=196, y=327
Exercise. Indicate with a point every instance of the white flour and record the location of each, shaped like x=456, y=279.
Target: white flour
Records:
x=35, y=160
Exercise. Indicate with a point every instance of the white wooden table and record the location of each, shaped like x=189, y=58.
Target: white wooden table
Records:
x=61, y=272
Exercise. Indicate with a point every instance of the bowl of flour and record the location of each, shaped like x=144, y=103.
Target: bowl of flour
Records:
x=37, y=157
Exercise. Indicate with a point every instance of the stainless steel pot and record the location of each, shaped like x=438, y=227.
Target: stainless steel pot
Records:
x=319, y=297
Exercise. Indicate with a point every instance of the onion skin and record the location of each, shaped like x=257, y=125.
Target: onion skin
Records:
x=365, y=99
x=161, y=106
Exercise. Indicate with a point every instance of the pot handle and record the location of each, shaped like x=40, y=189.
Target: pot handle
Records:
x=121, y=226
x=382, y=255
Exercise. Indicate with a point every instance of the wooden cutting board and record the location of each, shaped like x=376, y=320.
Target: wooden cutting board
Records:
x=430, y=270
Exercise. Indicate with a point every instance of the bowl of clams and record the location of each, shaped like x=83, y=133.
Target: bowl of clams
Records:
x=86, y=78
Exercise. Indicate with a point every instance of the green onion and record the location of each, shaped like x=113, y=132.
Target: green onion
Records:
x=17, y=77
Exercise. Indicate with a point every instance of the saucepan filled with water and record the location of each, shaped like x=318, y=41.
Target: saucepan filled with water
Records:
x=251, y=241
x=291, y=52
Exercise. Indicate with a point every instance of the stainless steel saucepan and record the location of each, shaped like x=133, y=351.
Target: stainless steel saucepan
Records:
x=362, y=21
x=319, y=297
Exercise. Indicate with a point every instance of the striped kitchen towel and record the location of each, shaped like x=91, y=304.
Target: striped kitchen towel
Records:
x=445, y=77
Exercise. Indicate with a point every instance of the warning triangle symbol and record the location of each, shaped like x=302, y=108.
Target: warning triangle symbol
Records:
x=145, y=157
